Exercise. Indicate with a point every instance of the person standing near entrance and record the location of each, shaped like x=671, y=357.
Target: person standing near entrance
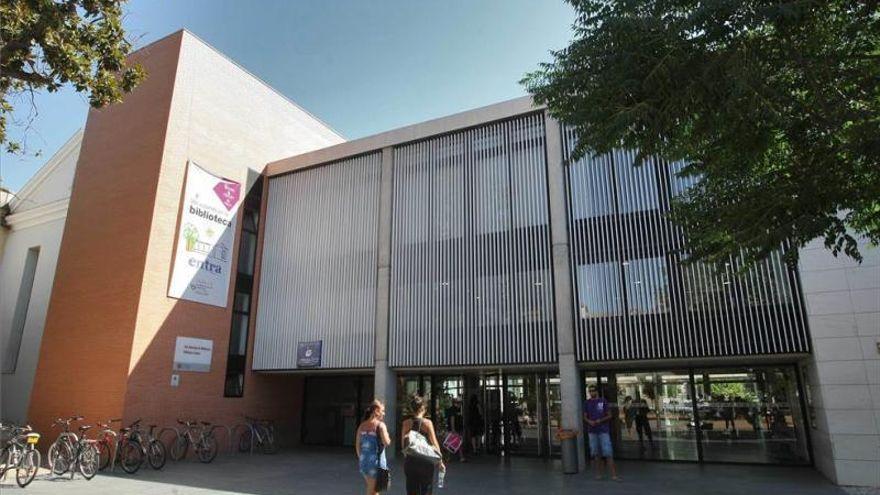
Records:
x=419, y=472
x=597, y=415
x=643, y=426
x=475, y=424
x=370, y=441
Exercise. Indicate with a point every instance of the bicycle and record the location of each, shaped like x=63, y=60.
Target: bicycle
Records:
x=118, y=447
x=200, y=438
x=260, y=432
x=85, y=457
x=153, y=449
x=61, y=451
x=20, y=453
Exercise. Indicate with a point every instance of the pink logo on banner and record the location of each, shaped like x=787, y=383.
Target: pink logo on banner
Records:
x=228, y=193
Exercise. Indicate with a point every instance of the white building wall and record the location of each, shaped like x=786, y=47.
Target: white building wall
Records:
x=843, y=310
x=16, y=386
x=36, y=219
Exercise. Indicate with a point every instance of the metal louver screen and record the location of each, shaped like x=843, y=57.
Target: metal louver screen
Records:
x=470, y=267
x=318, y=271
x=633, y=297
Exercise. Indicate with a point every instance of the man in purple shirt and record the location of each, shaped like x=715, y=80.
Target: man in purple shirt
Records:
x=597, y=415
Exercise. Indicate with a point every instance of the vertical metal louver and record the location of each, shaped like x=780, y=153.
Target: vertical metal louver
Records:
x=318, y=271
x=470, y=267
x=634, y=299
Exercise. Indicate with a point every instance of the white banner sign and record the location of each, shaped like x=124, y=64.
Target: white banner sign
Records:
x=193, y=354
x=202, y=261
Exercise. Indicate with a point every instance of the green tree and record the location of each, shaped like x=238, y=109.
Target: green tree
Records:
x=46, y=44
x=774, y=104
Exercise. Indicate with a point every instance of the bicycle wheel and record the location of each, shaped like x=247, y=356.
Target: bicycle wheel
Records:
x=207, y=449
x=88, y=461
x=179, y=448
x=131, y=457
x=27, y=467
x=6, y=460
x=244, y=441
x=105, y=454
x=60, y=457
x=156, y=454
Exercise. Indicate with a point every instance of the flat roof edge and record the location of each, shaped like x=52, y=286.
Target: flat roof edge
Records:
x=414, y=132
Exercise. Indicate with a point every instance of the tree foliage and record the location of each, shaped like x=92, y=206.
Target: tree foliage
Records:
x=775, y=105
x=46, y=44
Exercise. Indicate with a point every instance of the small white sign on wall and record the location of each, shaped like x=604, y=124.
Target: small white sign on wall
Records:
x=193, y=354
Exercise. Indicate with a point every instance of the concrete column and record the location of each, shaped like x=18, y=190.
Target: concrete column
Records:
x=385, y=386
x=569, y=377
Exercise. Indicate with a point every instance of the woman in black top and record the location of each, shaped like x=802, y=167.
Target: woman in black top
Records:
x=475, y=424
x=419, y=473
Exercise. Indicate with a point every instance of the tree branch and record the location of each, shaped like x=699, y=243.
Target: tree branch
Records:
x=28, y=77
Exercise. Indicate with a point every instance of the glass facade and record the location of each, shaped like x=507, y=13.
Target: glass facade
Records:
x=470, y=279
x=737, y=414
x=244, y=288
x=637, y=298
x=751, y=415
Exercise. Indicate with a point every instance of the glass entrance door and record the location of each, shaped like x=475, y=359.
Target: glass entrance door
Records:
x=656, y=416
x=730, y=414
x=522, y=414
x=498, y=413
x=751, y=415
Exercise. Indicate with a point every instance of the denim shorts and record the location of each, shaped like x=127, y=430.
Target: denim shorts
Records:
x=600, y=442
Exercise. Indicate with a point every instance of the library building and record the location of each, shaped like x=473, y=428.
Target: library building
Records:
x=222, y=252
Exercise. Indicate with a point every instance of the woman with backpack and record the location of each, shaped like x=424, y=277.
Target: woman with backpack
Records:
x=419, y=470
x=370, y=441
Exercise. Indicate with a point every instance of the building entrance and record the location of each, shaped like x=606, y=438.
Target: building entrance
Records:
x=497, y=413
x=333, y=407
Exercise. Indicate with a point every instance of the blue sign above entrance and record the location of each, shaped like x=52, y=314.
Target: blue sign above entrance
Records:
x=308, y=354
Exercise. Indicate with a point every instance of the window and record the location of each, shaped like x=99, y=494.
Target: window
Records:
x=591, y=190
x=244, y=288
x=19, y=317
x=645, y=282
x=636, y=184
x=647, y=286
x=599, y=293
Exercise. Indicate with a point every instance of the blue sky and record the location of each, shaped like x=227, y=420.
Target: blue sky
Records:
x=360, y=66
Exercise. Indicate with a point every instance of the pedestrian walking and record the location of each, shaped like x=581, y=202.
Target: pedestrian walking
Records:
x=418, y=470
x=597, y=415
x=370, y=441
x=455, y=427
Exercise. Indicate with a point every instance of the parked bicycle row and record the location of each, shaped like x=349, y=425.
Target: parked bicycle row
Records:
x=128, y=447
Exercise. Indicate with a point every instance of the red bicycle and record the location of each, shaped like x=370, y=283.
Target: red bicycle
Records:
x=118, y=448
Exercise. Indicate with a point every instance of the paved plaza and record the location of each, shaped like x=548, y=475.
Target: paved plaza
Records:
x=334, y=471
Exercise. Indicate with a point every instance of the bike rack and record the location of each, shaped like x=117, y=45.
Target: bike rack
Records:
x=176, y=437
x=228, y=433
x=253, y=433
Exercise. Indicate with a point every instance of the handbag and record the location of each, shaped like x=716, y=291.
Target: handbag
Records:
x=417, y=446
x=452, y=442
x=383, y=475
